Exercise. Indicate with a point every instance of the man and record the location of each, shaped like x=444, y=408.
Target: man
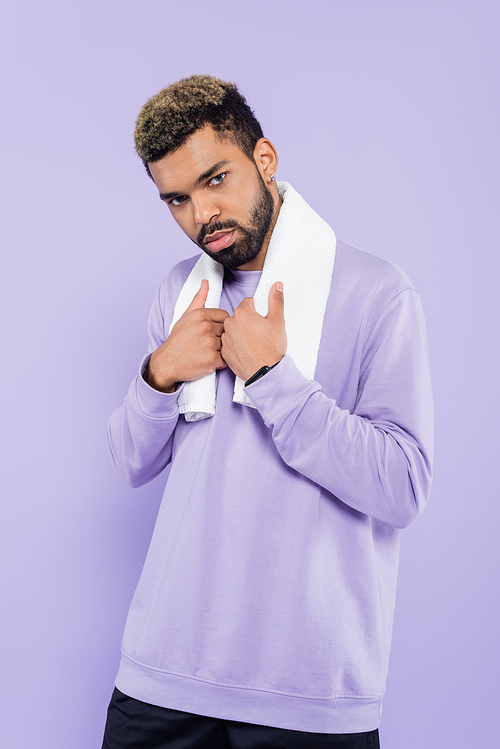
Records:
x=287, y=385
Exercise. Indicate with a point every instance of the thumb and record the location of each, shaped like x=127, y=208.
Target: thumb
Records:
x=200, y=297
x=276, y=300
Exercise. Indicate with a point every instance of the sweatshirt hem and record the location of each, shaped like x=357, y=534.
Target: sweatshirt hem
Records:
x=249, y=704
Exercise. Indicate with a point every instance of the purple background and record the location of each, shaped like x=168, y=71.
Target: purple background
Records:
x=385, y=116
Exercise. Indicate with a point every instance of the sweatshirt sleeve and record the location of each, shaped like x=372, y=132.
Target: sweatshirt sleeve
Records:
x=140, y=432
x=377, y=458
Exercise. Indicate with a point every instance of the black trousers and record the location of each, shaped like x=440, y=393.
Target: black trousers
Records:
x=132, y=724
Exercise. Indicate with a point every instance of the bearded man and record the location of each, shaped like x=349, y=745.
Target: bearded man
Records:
x=286, y=384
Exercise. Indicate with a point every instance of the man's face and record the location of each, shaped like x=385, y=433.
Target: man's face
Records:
x=218, y=197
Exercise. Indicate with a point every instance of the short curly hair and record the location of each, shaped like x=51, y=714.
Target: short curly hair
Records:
x=167, y=120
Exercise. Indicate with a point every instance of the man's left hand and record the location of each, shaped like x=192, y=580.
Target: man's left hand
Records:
x=251, y=341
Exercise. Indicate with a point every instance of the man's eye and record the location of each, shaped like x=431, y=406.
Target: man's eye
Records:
x=218, y=179
x=178, y=200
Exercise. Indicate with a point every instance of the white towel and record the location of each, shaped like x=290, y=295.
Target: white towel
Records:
x=301, y=254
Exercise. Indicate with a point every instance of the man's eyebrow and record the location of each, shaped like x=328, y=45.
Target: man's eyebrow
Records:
x=212, y=170
x=209, y=172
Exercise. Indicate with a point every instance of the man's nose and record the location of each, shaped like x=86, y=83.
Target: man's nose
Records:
x=204, y=209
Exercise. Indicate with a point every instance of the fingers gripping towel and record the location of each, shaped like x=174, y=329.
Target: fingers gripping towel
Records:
x=301, y=254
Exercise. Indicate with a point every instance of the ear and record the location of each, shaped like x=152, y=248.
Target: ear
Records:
x=266, y=158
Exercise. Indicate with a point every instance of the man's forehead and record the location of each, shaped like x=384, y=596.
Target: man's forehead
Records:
x=204, y=143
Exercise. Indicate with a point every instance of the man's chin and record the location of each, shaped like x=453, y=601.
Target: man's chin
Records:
x=230, y=258
x=222, y=257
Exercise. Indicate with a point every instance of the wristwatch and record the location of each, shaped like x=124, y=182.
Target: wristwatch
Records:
x=260, y=373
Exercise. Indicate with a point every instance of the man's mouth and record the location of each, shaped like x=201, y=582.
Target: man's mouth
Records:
x=219, y=240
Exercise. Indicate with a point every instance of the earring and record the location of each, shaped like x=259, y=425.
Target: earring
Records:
x=272, y=177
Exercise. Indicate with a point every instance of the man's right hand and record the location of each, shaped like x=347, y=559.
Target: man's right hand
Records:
x=192, y=349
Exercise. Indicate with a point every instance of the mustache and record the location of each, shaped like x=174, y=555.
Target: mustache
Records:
x=216, y=226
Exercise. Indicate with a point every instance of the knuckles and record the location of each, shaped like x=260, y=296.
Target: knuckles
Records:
x=205, y=327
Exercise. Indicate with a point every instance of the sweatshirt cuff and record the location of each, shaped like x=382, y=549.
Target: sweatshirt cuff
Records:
x=154, y=403
x=281, y=391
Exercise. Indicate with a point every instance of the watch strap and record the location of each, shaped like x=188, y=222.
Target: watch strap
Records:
x=260, y=373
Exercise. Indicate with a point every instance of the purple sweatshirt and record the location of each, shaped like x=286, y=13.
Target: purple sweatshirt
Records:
x=268, y=591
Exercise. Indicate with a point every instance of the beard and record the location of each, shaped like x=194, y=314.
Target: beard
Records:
x=249, y=243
